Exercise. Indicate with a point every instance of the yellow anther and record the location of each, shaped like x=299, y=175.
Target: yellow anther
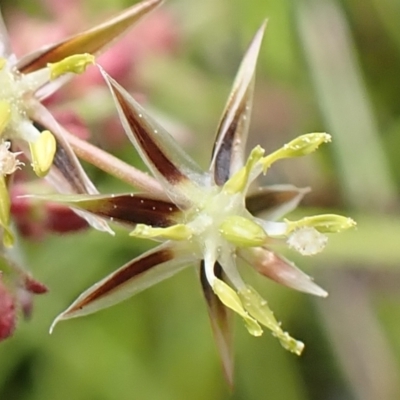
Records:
x=43, y=151
x=301, y=146
x=242, y=232
x=175, y=232
x=230, y=299
x=258, y=308
x=325, y=223
x=76, y=64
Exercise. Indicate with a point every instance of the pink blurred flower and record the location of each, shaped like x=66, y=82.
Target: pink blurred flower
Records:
x=16, y=294
x=7, y=311
x=34, y=219
x=159, y=34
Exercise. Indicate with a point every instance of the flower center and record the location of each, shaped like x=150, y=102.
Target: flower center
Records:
x=15, y=89
x=215, y=208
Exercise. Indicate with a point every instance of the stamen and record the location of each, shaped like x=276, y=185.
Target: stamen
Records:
x=76, y=63
x=175, y=232
x=232, y=300
x=210, y=258
x=258, y=308
x=27, y=131
x=241, y=179
x=227, y=260
x=43, y=151
x=33, y=81
x=301, y=146
x=326, y=223
x=272, y=228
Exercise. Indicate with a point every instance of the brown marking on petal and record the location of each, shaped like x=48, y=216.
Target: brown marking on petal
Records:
x=234, y=124
x=133, y=209
x=224, y=153
x=91, y=41
x=266, y=199
x=122, y=276
x=141, y=131
x=221, y=319
x=67, y=168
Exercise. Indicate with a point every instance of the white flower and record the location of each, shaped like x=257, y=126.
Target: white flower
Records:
x=206, y=217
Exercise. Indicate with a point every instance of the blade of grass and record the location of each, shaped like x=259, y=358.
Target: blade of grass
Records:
x=343, y=99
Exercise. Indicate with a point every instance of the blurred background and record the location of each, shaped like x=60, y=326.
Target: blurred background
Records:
x=325, y=65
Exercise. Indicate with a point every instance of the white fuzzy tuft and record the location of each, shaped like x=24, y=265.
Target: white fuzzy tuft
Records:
x=307, y=241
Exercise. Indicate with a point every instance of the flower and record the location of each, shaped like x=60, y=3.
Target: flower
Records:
x=206, y=217
x=27, y=124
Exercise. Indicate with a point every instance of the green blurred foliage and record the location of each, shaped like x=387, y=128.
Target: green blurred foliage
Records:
x=158, y=345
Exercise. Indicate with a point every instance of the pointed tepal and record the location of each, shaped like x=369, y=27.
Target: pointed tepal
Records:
x=93, y=41
x=230, y=143
x=280, y=270
x=126, y=209
x=135, y=276
x=275, y=201
x=179, y=175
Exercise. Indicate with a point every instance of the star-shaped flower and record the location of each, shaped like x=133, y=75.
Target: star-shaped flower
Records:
x=25, y=122
x=205, y=218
